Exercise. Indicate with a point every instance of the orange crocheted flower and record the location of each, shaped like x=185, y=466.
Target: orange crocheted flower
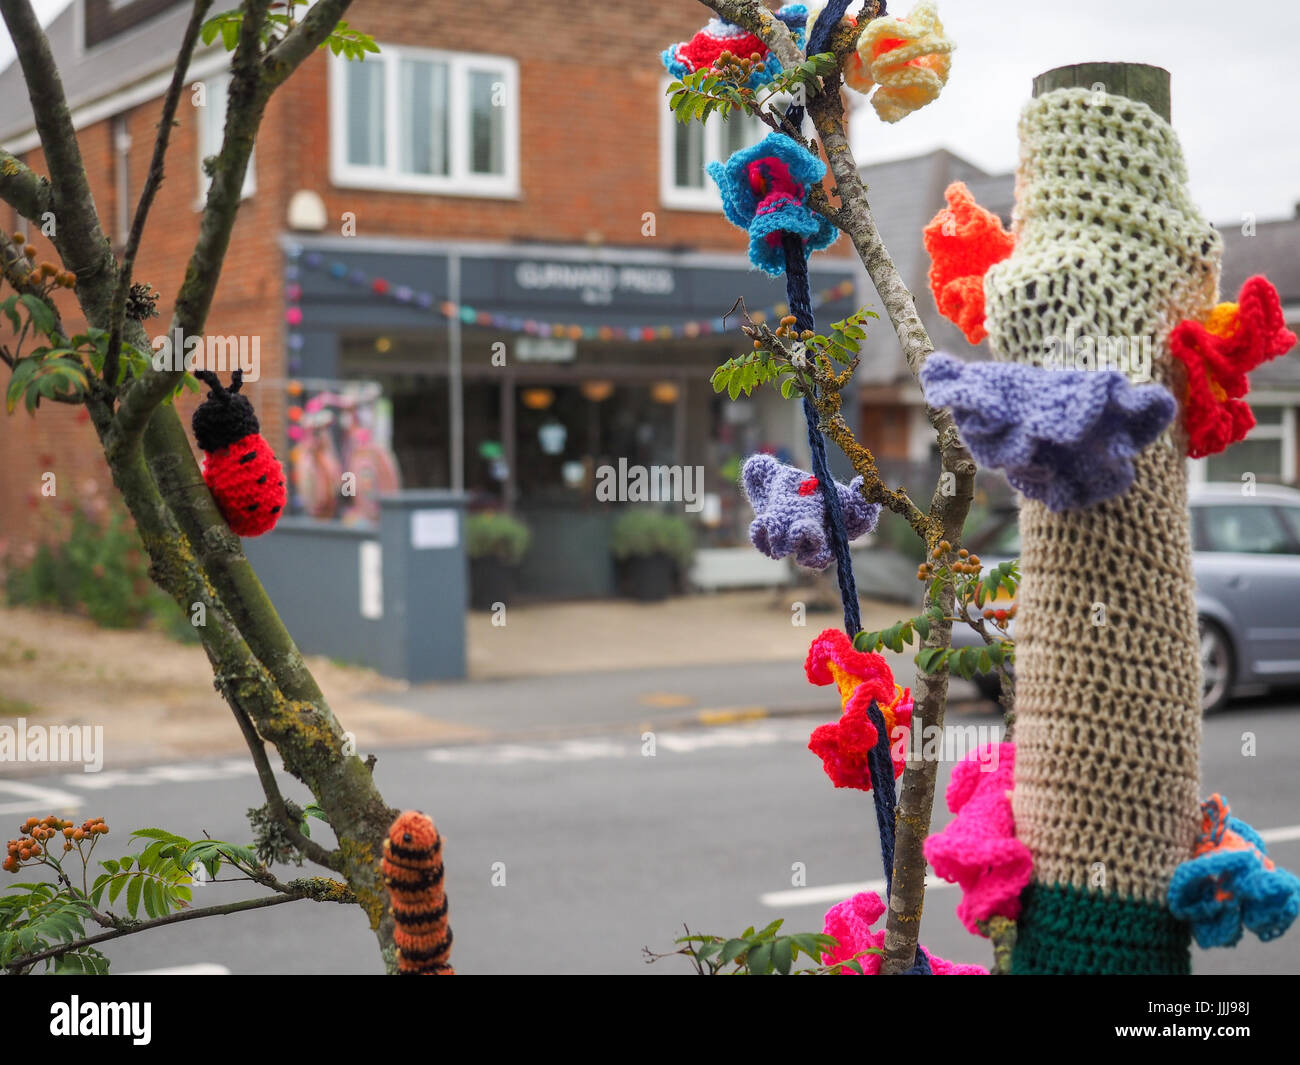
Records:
x=1235, y=339
x=844, y=746
x=907, y=57
x=964, y=240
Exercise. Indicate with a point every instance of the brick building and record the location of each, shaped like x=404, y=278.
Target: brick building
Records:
x=492, y=184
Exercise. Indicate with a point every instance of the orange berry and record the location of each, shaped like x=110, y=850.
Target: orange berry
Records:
x=18, y=238
x=30, y=252
x=79, y=834
x=67, y=833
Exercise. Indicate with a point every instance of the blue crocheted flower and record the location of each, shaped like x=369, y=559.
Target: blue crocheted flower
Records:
x=720, y=36
x=1231, y=882
x=790, y=514
x=1064, y=437
x=765, y=190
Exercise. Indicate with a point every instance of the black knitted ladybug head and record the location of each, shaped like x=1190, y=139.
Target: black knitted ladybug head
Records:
x=225, y=416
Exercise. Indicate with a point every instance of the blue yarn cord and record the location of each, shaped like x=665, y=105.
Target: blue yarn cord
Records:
x=797, y=294
x=882, y=792
x=819, y=41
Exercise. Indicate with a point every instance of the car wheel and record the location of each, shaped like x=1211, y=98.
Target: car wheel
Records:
x=1218, y=669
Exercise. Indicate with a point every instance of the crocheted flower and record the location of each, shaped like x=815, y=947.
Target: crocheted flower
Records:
x=964, y=240
x=907, y=57
x=850, y=923
x=720, y=36
x=1230, y=881
x=1236, y=338
x=862, y=678
x=790, y=514
x=1064, y=437
x=765, y=191
x=979, y=849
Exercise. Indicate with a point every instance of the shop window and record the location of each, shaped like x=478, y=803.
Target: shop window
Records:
x=686, y=148
x=211, y=127
x=424, y=121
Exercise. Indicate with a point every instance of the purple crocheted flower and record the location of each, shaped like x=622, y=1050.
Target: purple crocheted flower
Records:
x=790, y=514
x=1064, y=437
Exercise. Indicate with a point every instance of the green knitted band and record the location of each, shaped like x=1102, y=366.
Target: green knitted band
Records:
x=1066, y=931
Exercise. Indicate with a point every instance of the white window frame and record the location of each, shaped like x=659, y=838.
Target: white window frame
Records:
x=705, y=198
x=461, y=181
x=1283, y=434
x=214, y=83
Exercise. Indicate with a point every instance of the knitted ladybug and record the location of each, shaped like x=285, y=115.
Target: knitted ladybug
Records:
x=240, y=469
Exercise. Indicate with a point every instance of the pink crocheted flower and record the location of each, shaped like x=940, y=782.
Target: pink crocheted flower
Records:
x=845, y=745
x=850, y=923
x=979, y=849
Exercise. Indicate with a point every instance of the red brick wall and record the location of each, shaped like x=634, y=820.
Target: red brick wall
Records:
x=590, y=100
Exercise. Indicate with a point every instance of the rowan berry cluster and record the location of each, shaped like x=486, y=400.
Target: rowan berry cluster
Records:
x=35, y=833
x=966, y=563
x=740, y=68
x=45, y=272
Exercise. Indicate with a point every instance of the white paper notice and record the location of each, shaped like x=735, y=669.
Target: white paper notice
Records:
x=434, y=528
x=372, y=579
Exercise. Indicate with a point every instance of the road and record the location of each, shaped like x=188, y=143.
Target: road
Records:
x=604, y=850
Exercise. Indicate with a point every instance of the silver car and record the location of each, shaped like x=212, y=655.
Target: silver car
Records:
x=1247, y=566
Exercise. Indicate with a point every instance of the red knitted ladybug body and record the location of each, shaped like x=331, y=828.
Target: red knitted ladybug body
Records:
x=240, y=468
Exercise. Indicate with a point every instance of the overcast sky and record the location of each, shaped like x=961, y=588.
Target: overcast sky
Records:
x=1236, y=86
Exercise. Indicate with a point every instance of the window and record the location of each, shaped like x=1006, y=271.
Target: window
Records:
x=417, y=120
x=212, y=126
x=1253, y=530
x=1268, y=450
x=685, y=149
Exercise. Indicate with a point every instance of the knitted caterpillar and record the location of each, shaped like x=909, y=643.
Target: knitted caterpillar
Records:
x=240, y=468
x=413, y=871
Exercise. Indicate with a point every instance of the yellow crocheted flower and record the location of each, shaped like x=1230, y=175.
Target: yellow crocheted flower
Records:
x=904, y=59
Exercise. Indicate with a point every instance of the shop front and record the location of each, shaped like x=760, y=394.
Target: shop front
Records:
x=523, y=376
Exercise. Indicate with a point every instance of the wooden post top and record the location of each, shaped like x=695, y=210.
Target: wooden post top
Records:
x=1137, y=81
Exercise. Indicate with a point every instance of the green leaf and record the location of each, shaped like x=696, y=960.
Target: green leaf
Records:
x=783, y=955
x=133, y=894
x=930, y=659
x=922, y=625
x=731, y=950
x=41, y=314
x=759, y=961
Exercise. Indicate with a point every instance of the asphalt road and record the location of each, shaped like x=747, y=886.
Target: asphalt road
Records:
x=605, y=851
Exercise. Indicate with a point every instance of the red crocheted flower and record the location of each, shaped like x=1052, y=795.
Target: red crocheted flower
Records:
x=844, y=746
x=964, y=240
x=1236, y=338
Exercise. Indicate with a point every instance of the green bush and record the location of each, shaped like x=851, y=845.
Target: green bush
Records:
x=100, y=572
x=649, y=532
x=496, y=536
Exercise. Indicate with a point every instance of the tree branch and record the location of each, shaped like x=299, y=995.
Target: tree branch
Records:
x=77, y=235
x=275, y=800
x=170, y=103
x=952, y=497
x=318, y=888
x=302, y=40
x=22, y=188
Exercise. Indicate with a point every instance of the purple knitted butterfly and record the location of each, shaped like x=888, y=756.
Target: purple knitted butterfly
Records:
x=790, y=514
x=1064, y=437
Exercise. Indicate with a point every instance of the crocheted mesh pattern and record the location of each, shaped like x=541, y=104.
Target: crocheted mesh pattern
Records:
x=1108, y=701
x=1107, y=239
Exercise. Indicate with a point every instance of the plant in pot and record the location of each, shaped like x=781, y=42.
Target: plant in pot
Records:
x=654, y=550
x=495, y=544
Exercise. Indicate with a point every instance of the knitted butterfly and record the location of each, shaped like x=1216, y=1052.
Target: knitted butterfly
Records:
x=413, y=871
x=240, y=468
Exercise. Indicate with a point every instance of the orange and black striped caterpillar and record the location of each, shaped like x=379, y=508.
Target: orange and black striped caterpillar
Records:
x=413, y=872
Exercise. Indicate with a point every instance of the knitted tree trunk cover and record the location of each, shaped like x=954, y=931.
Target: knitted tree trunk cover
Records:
x=1108, y=709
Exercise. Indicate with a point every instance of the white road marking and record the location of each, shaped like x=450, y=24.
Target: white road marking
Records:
x=193, y=772
x=51, y=800
x=832, y=893
x=585, y=750
x=1285, y=834
x=202, y=968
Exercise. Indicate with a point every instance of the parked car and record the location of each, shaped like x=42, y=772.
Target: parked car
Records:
x=1246, y=561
